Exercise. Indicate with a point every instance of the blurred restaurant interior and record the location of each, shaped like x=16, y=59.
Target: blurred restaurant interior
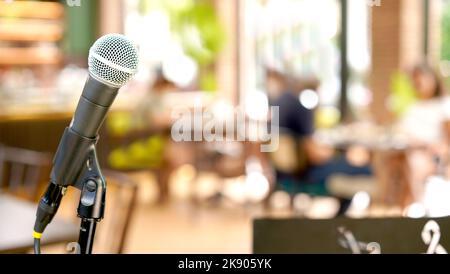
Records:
x=360, y=86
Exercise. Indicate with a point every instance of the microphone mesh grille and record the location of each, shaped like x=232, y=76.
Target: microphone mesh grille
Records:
x=113, y=60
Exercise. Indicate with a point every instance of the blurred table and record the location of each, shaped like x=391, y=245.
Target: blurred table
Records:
x=370, y=136
x=17, y=221
x=389, y=149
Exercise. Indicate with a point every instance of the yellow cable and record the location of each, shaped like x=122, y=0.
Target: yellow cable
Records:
x=37, y=235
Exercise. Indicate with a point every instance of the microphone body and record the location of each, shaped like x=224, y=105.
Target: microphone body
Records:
x=92, y=108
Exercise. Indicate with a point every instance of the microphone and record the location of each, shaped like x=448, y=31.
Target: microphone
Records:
x=113, y=61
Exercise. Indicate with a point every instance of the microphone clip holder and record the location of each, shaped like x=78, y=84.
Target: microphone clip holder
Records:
x=76, y=164
x=91, y=206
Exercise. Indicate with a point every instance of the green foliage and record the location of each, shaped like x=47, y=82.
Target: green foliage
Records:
x=199, y=31
x=139, y=155
x=196, y=26
x=119, y=123
x=403, y=93
x=80, y=33
x=208, y=81
x=445, y=48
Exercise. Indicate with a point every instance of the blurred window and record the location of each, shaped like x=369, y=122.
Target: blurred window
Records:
x=182, y=38
x=302, y=38
x=359, y=57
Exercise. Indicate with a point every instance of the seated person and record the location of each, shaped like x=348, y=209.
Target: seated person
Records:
x=425, y=125
x=320, y=161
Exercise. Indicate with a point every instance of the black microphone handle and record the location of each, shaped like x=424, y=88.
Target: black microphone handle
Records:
x=78, y=139
x=75, y=145
x=92, y=108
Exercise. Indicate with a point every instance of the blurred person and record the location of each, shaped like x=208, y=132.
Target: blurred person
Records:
x=316, y=162
x=424, y=120
x=425, y=124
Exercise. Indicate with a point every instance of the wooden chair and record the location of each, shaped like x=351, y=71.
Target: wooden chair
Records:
x=393, y=177
x=121, y=198
x=289, y=158
x=23, y=172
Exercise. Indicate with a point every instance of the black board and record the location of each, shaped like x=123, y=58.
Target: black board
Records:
x=350, y=236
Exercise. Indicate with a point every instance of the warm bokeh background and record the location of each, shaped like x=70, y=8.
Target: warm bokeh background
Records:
x=362, y=73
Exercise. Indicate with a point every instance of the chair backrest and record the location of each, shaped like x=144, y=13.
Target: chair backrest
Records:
x=121, y=197
x=290, y=157
x=23, y=172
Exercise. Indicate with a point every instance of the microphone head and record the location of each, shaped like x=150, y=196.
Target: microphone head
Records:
x=113, y=60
